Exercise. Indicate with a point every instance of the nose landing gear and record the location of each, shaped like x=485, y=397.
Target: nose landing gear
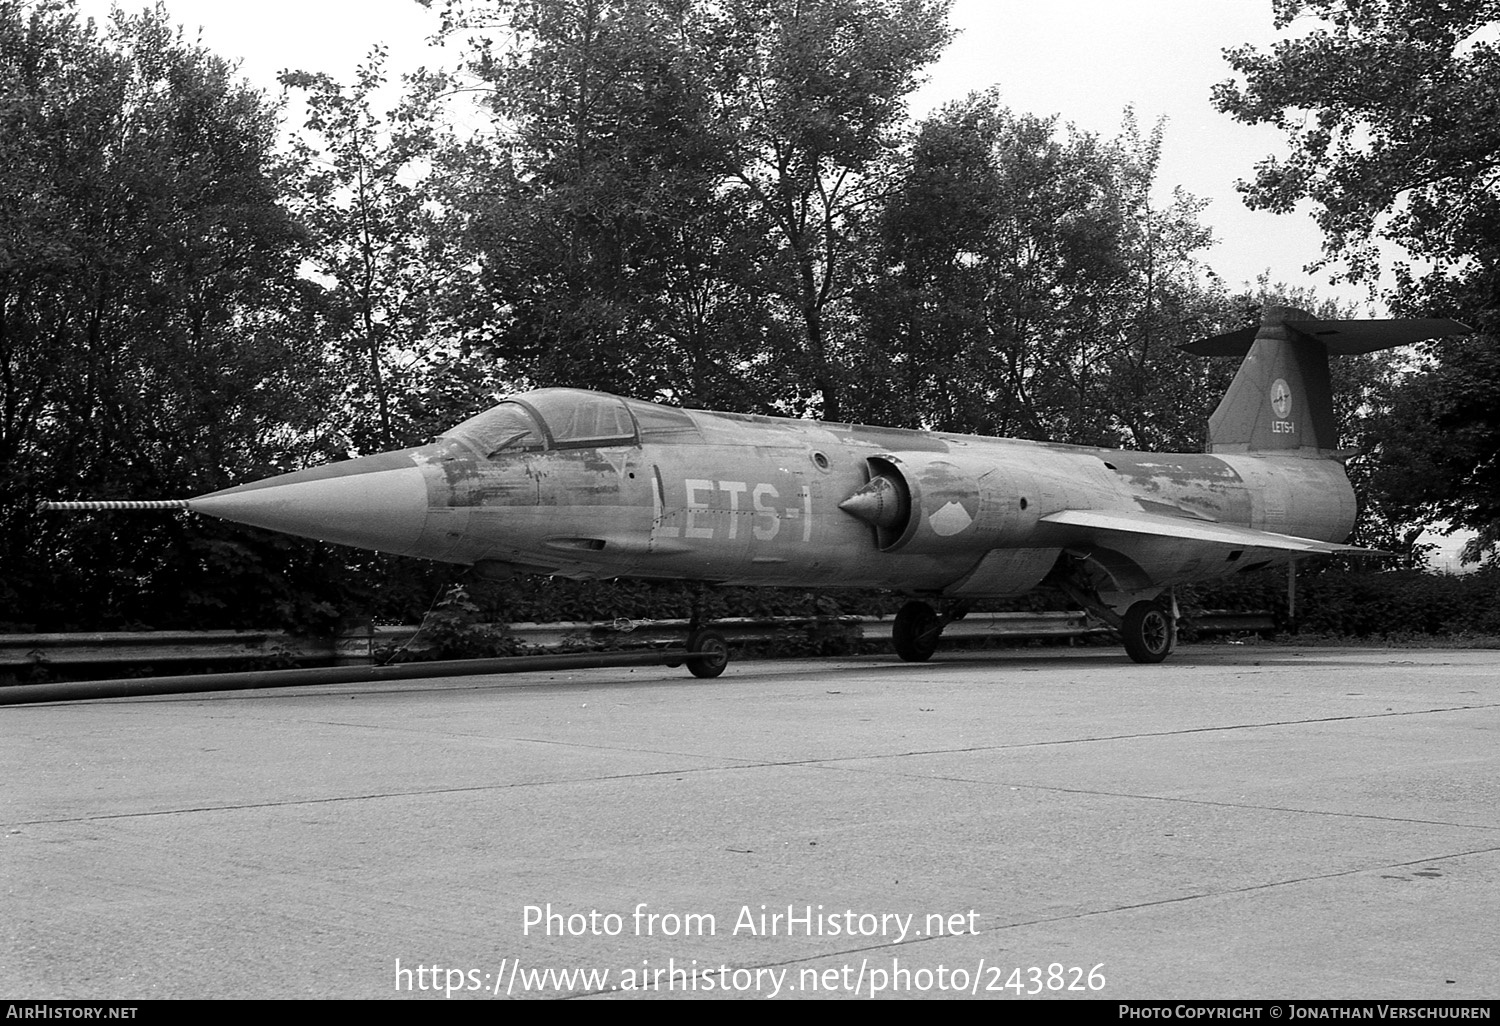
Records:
x=711, y=651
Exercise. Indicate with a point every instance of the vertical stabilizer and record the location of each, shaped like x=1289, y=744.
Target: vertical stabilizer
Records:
x=1281, y=400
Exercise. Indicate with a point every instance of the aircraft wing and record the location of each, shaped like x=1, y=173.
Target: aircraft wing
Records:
x=1127, y=522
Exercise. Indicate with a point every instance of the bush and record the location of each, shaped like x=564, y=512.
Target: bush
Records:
x=1341, y=602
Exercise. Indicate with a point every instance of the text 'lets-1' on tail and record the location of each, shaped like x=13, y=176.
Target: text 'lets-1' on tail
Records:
x=1281, y=401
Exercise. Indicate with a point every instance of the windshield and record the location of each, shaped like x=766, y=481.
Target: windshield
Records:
x=505, y=428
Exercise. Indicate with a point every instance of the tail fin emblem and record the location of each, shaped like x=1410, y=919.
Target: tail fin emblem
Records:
x=1281, y=398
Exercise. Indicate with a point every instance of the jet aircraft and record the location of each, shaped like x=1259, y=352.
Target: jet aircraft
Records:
x=583, y=484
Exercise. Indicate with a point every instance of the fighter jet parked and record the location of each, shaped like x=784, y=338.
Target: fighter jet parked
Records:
x=582, y=484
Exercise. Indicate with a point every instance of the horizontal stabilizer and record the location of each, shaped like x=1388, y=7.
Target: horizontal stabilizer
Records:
x=1193, y=530
x=1341, y=338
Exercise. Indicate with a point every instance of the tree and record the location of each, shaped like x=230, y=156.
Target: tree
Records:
x=1390, y=109
x=810, y=96
x=681, y=184
x=1392, y=114
x=1029, y=285
x=383, y=256
x=146, y=268
x=590, y=202
x=1438, y=445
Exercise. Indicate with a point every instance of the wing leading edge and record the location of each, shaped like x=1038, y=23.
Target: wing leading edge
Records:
x=1192, y=530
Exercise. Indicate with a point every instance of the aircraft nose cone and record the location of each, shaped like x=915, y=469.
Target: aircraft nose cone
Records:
x=374, y=502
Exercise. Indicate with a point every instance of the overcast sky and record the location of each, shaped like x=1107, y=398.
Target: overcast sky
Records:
x=1084, y=60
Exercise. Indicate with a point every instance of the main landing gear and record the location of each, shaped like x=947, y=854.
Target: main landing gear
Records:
x=1148, y=627
x=918, y=627
x=1149, y=631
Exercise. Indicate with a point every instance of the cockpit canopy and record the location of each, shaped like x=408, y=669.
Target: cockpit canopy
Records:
x=505, y=427
x=570, y=418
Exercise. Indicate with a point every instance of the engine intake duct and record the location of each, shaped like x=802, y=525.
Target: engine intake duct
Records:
x=939, y=503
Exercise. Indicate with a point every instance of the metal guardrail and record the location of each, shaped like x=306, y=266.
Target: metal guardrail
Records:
x=365, y=647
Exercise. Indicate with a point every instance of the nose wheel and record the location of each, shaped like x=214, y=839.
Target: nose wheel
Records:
x=711, y=653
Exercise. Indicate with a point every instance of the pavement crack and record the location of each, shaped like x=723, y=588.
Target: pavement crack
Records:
x=1251, y=888
x=1139, y=735
x=886, y=947
x=373, y=796
x=1249, y=806
x=824, y=762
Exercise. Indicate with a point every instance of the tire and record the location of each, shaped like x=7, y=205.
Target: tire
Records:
x=916, y=632
x=1149, y=632
x=716, y=651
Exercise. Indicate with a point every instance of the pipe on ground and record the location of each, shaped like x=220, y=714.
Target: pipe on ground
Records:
x=25, y=694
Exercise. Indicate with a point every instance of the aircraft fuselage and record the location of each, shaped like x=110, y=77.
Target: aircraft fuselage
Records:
x=759, y=500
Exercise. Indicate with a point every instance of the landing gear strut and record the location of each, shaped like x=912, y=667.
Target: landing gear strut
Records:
x=1149, y=626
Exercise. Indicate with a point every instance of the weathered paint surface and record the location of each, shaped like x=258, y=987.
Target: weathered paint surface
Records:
x=756, y=500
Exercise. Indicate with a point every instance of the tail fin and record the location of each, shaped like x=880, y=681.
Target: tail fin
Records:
x=1281, y=400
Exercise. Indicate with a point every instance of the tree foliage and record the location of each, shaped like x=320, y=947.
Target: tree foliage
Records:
x=681, y=185
x=1392, y=114
x=1438, y=445
x=810, y=98
x=1390, y=109
x=1029, y=285
x=384, y=260
x=608, y=259
x=145, y=267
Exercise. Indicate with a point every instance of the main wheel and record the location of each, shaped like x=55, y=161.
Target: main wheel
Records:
x=715, y=653
x=1149, y=632
x=916, y=632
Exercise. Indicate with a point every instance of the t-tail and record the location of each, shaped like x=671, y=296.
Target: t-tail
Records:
x=1281, y=401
